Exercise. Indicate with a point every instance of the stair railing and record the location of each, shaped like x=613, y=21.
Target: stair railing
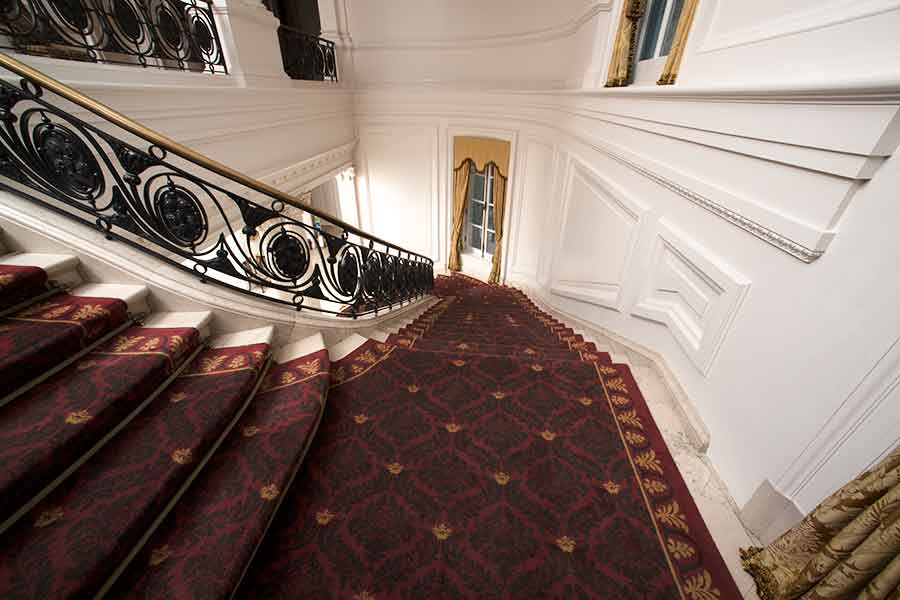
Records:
x=307, y=56
x=169, y=34
x=167, y=200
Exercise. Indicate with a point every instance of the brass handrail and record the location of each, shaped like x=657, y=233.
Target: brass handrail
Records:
x=170, y=145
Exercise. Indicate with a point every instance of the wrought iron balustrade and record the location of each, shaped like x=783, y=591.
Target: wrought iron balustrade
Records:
x=307, y=56
x=143, y=189
x=169, y=34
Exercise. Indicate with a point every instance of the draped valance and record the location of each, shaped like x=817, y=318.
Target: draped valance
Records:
x=481, y=151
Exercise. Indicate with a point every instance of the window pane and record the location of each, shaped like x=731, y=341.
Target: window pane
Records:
x=491, y=217
x=491, y=243
x=653, y=19
x=476, y=184
x=475, y=237
x=674, y=15
x=476, y=213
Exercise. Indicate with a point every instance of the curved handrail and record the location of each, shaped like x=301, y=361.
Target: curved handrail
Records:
x=158, y=139
x=181, y=215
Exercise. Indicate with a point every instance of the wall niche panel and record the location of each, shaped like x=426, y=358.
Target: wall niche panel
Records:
x=692, y=292
x=600, y=229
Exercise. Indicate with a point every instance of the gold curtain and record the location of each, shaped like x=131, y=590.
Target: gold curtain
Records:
x=499, y=195
x=481, y=152
x=847, y=548
x=460, y=189
x=621, y=64
x=673, y=62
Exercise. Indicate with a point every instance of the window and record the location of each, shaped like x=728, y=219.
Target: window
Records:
x=660, y=22
x=481, y=237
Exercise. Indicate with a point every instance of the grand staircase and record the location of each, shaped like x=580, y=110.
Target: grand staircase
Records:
x=484, y=450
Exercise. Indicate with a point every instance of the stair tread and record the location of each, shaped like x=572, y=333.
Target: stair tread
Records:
x=18, y=283
x=224, y=515
x=460, y=474
x=54, y=424
x=37, y=338
x=47, y=262
x=126, y=485
x=519, y=350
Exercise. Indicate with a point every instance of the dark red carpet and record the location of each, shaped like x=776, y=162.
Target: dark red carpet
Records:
x=73, y=540
x=203, y=547
x=51, y=426
x=18, y=284
x=450, y=474
x=39, y=337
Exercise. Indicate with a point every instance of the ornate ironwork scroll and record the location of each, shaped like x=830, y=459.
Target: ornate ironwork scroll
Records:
x=204, y=222
x=307, y=56
x=169, y=34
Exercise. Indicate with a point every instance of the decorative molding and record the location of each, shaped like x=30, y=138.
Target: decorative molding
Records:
x=800, y=21
x=563, y=30
x=801, y=236
x=762, y=232
x=629, y=211
x=308, y=173
x=689, y=290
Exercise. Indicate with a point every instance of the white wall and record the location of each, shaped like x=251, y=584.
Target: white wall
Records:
x=498, y=44
x=740, y=223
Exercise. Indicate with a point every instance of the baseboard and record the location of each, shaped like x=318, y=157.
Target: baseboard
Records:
x=769, y=513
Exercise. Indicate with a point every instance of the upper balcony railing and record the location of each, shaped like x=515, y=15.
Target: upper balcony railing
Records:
x=168, y=34
x=145, y=190
x=306, y=56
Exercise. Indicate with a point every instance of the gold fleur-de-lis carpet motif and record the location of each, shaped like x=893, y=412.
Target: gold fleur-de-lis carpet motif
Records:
x=34, y=338
x=18, y=283
x=224, y=515
x=54, y=423
x=487, y=450
x=485, y=460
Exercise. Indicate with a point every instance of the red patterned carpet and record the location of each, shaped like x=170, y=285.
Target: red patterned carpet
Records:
x=486, y=451
x=442, y=471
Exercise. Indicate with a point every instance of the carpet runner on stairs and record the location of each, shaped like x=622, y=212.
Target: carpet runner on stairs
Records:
x=486, y=451
x=451, y=474
x=206, y=543
x=55, y=424
x=38, y=337
x=18, y=283
x=72, y=542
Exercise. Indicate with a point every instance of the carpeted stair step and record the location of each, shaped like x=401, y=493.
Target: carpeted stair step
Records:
x=127, y=486
x=496, y=477
x=45, y=335
x=53, y=428
x=521, y=350
x=27, y=277
x=514, y=342
x=205, y=544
